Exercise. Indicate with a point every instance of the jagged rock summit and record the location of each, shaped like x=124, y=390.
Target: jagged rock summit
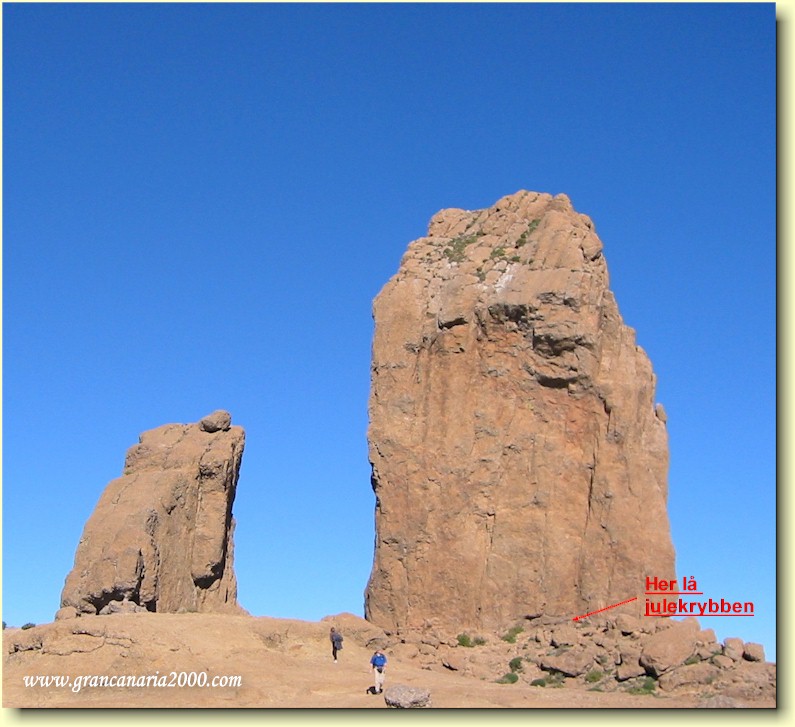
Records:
x=161, y=536
x=519, y=459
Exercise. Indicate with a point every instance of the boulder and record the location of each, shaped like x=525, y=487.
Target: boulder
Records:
x=218, y=421
x=161, y=536
x=667, y=649
x=628, y=624
x=723, y=662
x=733, y=648
x=629, y=670
x=630, y=665
x=754, y=652
x=572, y=662
x=402, y=697
x=701, y=673
x=66, y=612
x=452, y=660
x=121, y=606
x=518, y=464
x=564, y=636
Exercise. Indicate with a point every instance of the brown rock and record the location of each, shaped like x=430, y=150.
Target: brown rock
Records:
x=628, y=670
x=708, y=645
x=733, y=648
x=66, y=612
x=518, y=463
x=628, y=624
x=707, y=637
x=701, y=673
x=572, y=663
x=404, y=697
x=121, y=606
x=452, y=658
x=564, y=636
x=629, y=665
x=218, y=421
x=724, y=662
x=667, y=649
x=161, y=535
x=754, y=652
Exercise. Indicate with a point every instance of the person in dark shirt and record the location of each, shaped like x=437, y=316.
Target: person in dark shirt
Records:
x=336, y=642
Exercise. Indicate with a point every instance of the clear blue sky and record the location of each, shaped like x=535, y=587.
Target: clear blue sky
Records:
x=201, y=202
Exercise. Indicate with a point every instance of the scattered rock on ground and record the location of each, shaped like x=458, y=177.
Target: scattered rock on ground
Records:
x=400, y=696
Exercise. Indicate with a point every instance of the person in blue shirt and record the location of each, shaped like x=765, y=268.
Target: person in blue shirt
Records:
x=378, y=662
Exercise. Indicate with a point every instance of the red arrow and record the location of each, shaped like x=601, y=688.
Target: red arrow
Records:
x=629, y=600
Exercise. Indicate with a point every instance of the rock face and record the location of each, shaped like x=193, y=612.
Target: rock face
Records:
x=160, y=537
x=519, y=461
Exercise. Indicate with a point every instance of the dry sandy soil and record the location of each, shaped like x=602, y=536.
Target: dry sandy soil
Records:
x=280, y=662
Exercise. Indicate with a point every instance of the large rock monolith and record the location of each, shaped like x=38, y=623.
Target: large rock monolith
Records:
x=161, y=536
x=519, y=459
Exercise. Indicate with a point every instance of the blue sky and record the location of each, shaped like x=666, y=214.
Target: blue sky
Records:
x=201, y=202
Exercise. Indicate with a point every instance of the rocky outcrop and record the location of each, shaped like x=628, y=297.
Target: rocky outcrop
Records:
x=519, y=459
x=161, y=536
x=639, y=656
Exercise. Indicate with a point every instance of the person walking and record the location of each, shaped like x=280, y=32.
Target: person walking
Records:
x=336, y=642
x=378, y=662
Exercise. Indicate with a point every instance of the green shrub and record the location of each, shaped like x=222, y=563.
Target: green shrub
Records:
x=511, y=634
x=515, y=664
x=538, y=683
x=455, y=252
x=646, y=687
x=593, y=676
x=497, y=252
x=28, y=626
x=692, y=660
x=466, y=640
x=509, y=678
x=530, y=229
x=4, y=625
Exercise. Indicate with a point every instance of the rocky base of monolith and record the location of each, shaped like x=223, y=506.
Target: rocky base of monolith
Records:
x=640, y=656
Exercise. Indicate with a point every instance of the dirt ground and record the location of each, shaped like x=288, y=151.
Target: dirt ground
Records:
x=281, y=664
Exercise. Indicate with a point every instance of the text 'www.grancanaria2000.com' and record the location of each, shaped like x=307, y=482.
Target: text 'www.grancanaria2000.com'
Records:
x=174, y=679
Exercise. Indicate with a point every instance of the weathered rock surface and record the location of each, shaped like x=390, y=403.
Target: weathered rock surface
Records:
x=161, y=536
x=669, y=648
x=402, y=697
x=518, y=459
x=754, y=652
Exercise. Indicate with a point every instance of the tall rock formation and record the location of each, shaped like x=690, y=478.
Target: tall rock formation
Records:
x=160, y=537
x=518, y=459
